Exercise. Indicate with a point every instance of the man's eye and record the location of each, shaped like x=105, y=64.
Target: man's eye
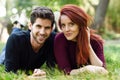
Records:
x=48, y=28
x=38, y=26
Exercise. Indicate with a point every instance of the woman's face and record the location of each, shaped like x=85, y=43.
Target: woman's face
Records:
x=69, y=28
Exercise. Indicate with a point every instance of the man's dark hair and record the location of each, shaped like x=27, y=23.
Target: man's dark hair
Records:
x=42, y=12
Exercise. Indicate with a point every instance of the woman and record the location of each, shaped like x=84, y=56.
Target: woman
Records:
x=77, y=45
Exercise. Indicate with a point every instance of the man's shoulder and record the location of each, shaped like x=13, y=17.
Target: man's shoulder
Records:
x=52, y=36
x=20, y=34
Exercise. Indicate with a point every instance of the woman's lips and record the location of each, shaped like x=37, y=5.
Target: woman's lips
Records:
x=68, y=34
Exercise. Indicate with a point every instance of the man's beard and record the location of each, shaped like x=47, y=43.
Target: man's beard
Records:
x=35, y=38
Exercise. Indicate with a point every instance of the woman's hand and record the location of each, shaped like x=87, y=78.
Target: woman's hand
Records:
x=94, y=69
x=89, y=69
x=94, y=60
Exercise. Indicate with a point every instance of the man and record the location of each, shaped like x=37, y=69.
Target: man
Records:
x=28, y=50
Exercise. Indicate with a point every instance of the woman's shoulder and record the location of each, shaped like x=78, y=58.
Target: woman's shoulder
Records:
x=60, y=36
x=95, y=38
x=95, y=42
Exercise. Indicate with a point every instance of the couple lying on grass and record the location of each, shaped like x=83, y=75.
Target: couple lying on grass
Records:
x=75, y=50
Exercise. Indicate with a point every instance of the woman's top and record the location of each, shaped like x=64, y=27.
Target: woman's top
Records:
x=65, y=52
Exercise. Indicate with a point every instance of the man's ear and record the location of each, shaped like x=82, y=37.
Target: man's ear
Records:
x=29, y=25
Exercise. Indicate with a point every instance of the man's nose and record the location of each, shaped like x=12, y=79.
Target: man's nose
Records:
x=42, y=31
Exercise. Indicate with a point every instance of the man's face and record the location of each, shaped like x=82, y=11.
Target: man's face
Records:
x=41, y=30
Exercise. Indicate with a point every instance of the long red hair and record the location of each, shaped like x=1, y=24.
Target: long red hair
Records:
x=83, y=20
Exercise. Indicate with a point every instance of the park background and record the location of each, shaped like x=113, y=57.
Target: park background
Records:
x=106, y=15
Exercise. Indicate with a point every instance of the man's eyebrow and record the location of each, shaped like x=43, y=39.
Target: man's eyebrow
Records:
x=47, y=26
x=41, y=25
x=38, y=25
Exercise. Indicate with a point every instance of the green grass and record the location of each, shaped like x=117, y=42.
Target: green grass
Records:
x=112, y=56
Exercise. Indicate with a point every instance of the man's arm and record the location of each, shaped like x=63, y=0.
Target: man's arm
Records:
x=12, y=54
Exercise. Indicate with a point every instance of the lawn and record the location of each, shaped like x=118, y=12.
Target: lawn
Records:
x=112, y=56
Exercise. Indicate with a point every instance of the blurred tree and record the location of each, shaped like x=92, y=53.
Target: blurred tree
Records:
x=113, y=16
x=100, y=14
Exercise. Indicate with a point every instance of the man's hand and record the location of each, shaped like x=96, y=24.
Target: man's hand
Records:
x=38, y=75
x=38, y=72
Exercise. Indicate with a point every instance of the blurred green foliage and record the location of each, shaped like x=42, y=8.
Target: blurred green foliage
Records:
x=113, y=15
x=112, y=22
x=29, y=4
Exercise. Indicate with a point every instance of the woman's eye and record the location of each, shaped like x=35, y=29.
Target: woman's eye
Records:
x=62, y=26
x=71, y=24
